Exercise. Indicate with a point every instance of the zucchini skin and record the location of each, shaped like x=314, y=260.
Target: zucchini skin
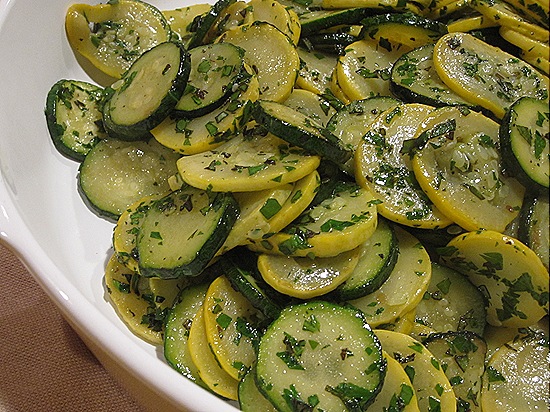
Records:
x=141, y=129
x=524, y=166
x=57, y=130
x=202, y=25
x=208, y=250
x=324, y=143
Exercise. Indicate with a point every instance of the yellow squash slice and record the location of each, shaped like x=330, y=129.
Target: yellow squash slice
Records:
x=485, y=75
x=364, y=68
x=227, y=313
x=181, y=19
x=397, y=391
x=285, y=19
x=130, y=306
x=257, y=208
x=405, y=286
x=301, y=197
x=246, y=164
x=306, y=278
x=512, y=277
x=459, y=168
x=336, y=225
x=209, y=369
x=503, y=14
x=517, y=376
x=315, y=71
x=272, y=55
x=432, y=388
x=382, y=166
x=113, y=35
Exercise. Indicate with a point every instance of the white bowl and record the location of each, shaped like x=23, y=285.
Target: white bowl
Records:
x=44, y=220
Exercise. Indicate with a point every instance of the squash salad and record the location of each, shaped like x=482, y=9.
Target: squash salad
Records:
x=323, y=205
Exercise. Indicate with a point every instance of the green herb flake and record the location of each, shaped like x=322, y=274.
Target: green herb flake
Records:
x=224, y=320
x=354, y=397
x=270, y=208
x=311, y=324
x=417, y=347
x=494, y=375
x=293, y=352
x=155, y=235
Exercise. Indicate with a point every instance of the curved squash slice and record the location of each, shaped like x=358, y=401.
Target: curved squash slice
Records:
x=458, y=165
x=512, y=277
x=433, y=390
x=247, y=163
x=257, y=208
x=305, y=278
x=195, y=135
x=272, y=55
x=364, y=69
x=397, y=392
x=518, y=375
x=230, y=321
x=209, y=369
x=405, y=286
x=112, y=36
x=382, y=164
x=485, y=75
x=130, y=306
x=336, y=225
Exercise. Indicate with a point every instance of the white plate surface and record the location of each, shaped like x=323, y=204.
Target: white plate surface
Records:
x=44, y=220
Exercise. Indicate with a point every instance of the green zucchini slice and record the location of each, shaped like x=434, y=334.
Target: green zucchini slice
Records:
x=462, y=357
x=414, y=79
x=534, y=226
x=176, y=331
x=250, y=397
x=406, y=29
x=204, y=25
x=314, y=21
x=198, y=134
x=451, y=303
x=376, y=262
x=321, y=355
x=300, y=130
x=73, y=115
x=251, y=285
x=181, y=233
x=525, y=142
x=215, y=73
x=116, y=173
x=330, y=43
x=147, y=92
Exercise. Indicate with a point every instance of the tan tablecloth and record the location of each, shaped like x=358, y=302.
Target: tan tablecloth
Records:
x=44, y=366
